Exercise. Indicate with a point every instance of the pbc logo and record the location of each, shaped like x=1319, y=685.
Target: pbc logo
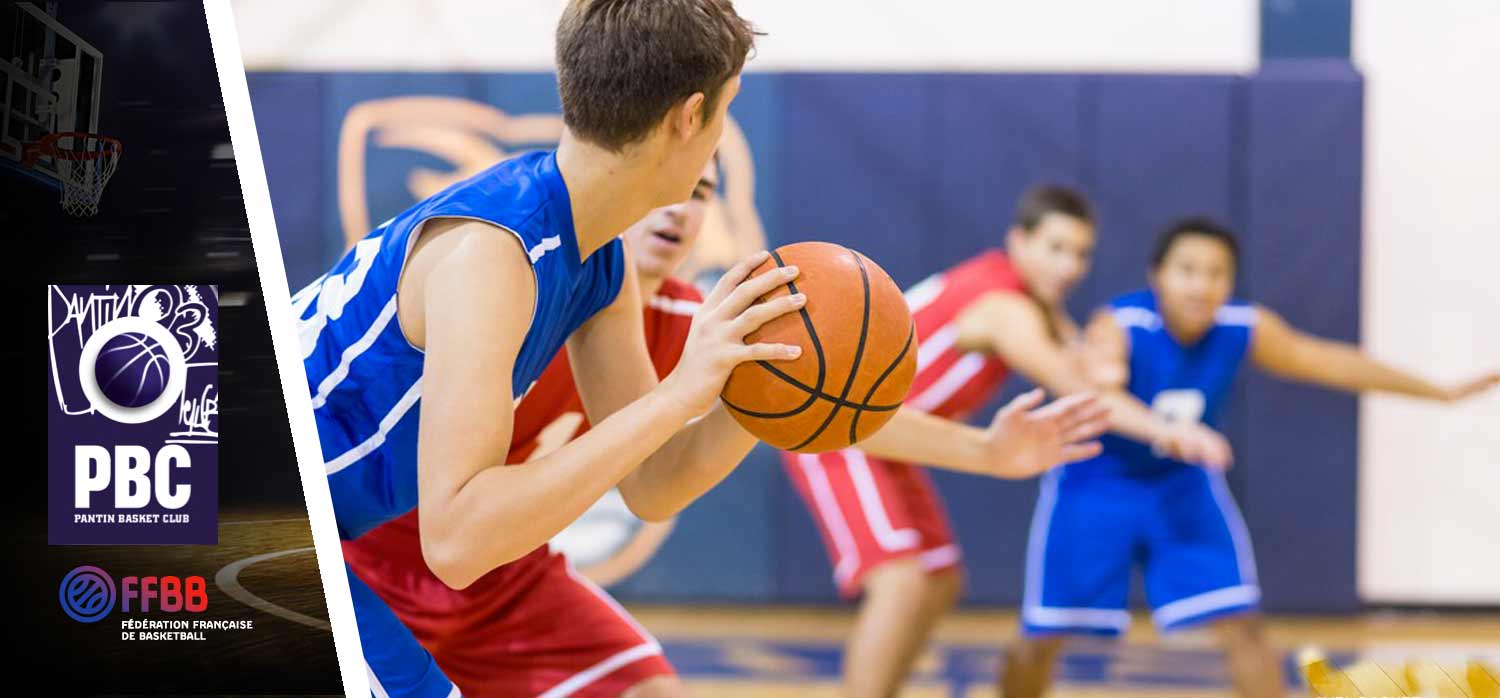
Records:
x=87, y=594
x=132, y=422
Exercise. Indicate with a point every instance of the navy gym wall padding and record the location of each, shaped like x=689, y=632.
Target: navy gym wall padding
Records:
x=921, y=170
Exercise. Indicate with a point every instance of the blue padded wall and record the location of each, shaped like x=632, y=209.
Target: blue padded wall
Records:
x=920, y=171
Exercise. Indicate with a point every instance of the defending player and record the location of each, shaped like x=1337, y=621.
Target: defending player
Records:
x=1175, y=347
x=454, y=307
x=883, y=523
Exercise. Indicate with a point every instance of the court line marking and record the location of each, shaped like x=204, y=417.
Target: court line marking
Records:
x=228, y=581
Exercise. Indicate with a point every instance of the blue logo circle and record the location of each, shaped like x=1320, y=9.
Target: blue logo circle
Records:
x=87, y=594
x=132, y=369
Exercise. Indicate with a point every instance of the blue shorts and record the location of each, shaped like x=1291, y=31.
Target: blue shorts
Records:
x=1092, y=528
x=397, y=666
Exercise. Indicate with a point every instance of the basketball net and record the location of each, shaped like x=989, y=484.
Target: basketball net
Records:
x=85, y=162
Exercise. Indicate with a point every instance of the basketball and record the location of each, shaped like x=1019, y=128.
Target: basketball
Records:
x=132, y=369
x=859, y=354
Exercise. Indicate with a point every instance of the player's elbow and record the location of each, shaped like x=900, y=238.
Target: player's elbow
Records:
x=448, y=562
x=458, y=560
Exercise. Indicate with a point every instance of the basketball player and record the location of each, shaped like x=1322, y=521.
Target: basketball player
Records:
x=1175, y=347
x=491, y=639
x=453, y=308
x=882, y=521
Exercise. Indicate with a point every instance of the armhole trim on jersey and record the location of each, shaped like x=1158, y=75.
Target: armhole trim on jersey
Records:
x=411, y=241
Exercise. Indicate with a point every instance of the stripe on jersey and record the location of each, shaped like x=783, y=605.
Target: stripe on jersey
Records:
x=925, y=292
x=352, y=352
x=387, y=423
x=1130, y=316
x=543, y=247
x=957, y=375
x=1239, y=315
x=933, y=347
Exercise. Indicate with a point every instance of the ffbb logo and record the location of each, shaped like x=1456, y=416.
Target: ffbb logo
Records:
x=88, y=594
x=132, y=422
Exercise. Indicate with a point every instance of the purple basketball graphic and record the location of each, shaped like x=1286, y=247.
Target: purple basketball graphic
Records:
x=87, y=594
x=132, y=369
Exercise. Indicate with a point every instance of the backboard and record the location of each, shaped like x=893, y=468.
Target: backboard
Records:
x=50, y=81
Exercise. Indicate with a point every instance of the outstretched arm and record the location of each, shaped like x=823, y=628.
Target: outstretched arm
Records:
x=1282, y=350
x=1021, y=441
x=1012, y=326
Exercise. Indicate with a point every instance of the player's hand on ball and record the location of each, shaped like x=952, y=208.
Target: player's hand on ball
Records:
x=716, y=342
x=1024, y=440
x=1471, y=388
x=1197, y=444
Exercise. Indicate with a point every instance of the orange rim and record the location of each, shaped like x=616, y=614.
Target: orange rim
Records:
x=48, y=146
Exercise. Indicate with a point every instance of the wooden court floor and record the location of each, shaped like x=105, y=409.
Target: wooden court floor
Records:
x=774, y=652
x=268, y=573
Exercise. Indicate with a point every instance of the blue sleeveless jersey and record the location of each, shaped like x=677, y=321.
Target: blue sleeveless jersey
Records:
x=1182, y=383
x=366, y=378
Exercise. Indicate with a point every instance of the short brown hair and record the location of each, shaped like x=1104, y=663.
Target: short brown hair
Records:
x=1039, y=201
x=621, y=64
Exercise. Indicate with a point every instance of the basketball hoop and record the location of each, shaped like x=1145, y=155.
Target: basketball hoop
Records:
x=85, y=162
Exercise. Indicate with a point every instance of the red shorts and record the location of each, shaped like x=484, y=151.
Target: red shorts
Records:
x=872, y=511
x=529, y=629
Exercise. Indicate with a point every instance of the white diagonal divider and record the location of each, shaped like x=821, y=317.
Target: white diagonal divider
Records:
x=273, y=285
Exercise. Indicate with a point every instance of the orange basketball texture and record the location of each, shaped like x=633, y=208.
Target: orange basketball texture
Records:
x=859, y=354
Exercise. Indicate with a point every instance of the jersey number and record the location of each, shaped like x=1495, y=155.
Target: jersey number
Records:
x=1179, y=406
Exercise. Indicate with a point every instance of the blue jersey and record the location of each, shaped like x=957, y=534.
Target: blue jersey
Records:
x=1181, y=383
x=366, y=378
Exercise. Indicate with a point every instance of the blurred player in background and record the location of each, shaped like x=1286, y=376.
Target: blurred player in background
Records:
x=882, y=520
x=1176, y=348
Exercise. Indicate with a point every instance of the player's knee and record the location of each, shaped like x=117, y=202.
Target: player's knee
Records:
x=946, y=586
x=658, y=687
x=909, y=578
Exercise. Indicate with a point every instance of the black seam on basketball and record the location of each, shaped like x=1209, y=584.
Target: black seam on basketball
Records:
x=854, y=423
x=790, y=380
x=813, y=393
x=859, y=353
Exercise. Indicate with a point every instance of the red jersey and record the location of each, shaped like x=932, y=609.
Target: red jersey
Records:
x=950, y=382
x=550, y=415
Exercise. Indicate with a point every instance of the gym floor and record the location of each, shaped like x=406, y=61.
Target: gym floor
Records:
x=794, y=651
x=767, y=652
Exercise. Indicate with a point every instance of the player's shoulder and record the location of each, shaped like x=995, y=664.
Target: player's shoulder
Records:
x=1135, y=309
x=676, y=297
x=517, y=194
x=965, y=283
x=1237, y=313
x=991, y=261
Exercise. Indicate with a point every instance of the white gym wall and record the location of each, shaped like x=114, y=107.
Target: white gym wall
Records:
x=1059, y=36
x=1429, y=475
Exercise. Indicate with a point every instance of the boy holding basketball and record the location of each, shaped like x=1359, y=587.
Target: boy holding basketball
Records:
x=460, y=302
x=882, y=520
x=1175, y=347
